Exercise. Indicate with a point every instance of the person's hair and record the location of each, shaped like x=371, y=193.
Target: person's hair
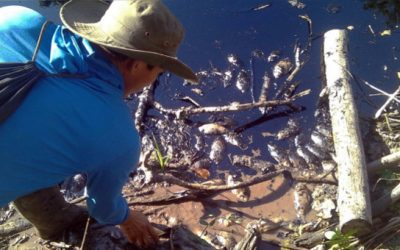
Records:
x=115, y=56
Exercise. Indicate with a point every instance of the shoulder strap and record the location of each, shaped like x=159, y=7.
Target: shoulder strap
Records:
x=39, y=40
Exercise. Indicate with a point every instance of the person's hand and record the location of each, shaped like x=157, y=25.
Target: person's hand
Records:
x=138, y=230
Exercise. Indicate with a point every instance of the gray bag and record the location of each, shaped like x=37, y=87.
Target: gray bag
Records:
x=16, y=79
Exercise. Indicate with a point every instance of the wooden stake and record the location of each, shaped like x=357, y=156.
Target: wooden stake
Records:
x=353, y=192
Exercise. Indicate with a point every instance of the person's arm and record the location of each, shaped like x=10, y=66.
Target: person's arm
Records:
x=107, y=206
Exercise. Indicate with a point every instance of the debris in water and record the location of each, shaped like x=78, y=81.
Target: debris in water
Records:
x=235, y=140
x=264, y=91
x=199, y=144
x=235, y=61
x=273, y=56
x=212, y=129
x=252, y=162
x=333, y=8
x=324, y=208
x=297, y=4
x=197, y=91
x=227, y=78
x=217, y=150
x=243, y=194
x=259, y=54
x=282, y=68
x=200, y=168
x=261, y=6
x=292, y=129
x=243, y=80
x=302, y=201
x=279, y=154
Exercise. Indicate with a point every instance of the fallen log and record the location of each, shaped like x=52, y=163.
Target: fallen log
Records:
x=353, y=191
x=387, y=161
x=381, y=204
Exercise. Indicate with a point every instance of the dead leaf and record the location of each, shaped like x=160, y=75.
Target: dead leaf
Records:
x=202, y=173
x=386, y=33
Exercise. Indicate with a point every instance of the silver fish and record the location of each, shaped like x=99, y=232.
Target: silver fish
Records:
x=243, y=81
x=217, y=150
x=324, y=130
x=235, y=140
x=278, y=154
x=297, y=161
x=227, y=78
x=310, y=158
x=282, y=68
x=318, y=152
x=234, y=60
x=318, y=139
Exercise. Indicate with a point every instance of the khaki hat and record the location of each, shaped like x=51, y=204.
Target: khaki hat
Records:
x=142, y=29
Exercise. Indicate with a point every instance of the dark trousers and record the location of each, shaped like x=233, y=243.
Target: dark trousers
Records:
x=47, y=210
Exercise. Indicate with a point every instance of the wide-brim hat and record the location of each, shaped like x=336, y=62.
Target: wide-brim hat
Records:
x=141, y=29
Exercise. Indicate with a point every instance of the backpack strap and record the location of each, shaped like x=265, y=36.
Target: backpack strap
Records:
x=39, y=40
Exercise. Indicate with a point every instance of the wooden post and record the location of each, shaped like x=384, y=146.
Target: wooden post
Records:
x=353, y=191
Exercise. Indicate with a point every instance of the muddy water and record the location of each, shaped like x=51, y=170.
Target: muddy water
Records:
x=269, y=200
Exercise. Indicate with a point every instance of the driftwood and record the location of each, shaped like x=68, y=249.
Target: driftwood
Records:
x=381, y=204
x=353, y=190
x=388, y=101
x=185, y=111
x=387, y=161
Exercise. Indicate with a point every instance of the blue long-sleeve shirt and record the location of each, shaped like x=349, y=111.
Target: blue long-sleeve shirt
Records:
x=66, y=125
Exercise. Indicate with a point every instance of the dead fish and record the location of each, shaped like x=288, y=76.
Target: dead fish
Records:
x=307, y=156
x=259, y=54
x=252, y=162
x=197, y=91
x=235, y=140
x=318, y=152
x=212, y=129
x=243, y=194
x=199, y=144
x=278, y=154
x=264, y=91
x=234, y=60
x=297, y=4
x=282, y=68
x=302, y=201
x=217, y=150
x=227, y=78
x=324, y=130
x=296, y=161
x=273, y=56
x=318, y=139
x=243, y=80
x=292, y=129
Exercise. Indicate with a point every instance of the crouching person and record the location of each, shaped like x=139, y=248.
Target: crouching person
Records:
x=74, y=119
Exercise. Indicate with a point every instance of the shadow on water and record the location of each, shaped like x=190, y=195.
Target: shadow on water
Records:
x=390, y=9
